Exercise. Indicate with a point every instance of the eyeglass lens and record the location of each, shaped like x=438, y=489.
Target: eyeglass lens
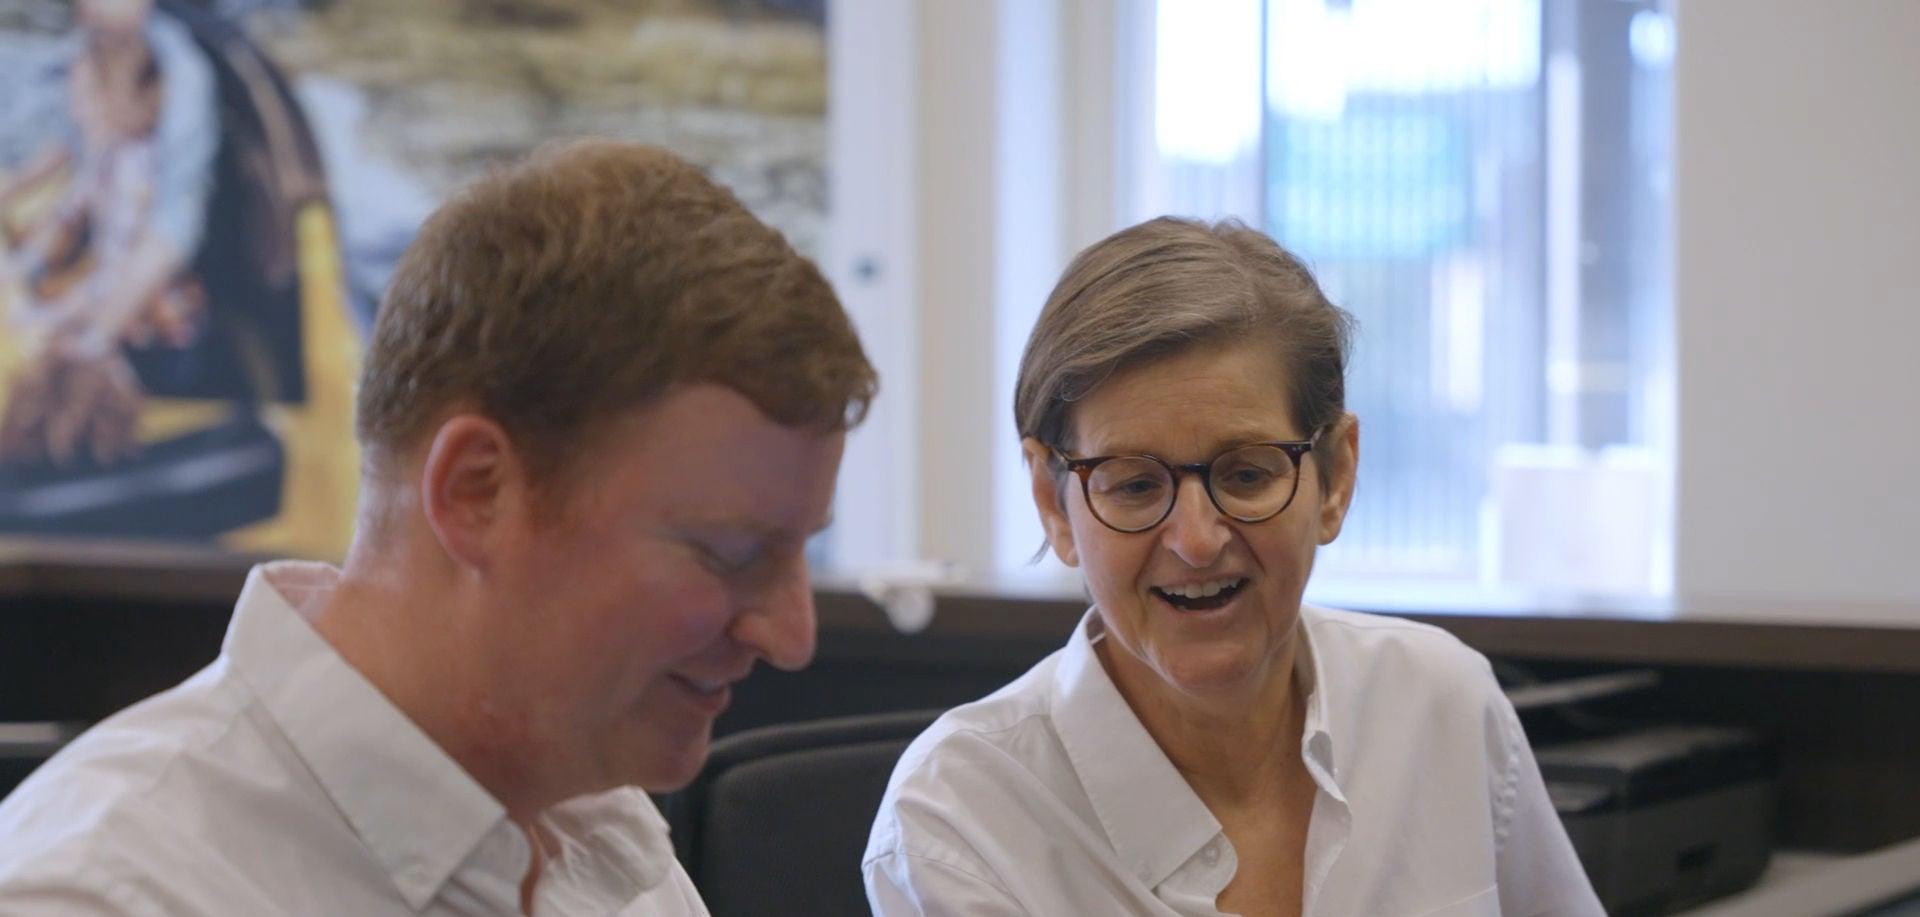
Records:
x=1136, y=492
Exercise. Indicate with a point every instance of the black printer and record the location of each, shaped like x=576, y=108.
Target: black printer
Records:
x=1664, y=817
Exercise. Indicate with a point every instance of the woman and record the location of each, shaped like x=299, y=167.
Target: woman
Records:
x=1205, y=743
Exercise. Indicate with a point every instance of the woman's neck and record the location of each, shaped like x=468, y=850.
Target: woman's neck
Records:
x=1235, y=748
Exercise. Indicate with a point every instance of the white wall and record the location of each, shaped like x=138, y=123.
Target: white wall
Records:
x=972, y=153
x=874, y=88
x=956, y=231
x=1797, y=228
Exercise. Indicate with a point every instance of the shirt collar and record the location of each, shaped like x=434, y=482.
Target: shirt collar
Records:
x=1316, y=739
x=419, y=813
x=1153, y=819
x=612, y=846
x=1151, y=816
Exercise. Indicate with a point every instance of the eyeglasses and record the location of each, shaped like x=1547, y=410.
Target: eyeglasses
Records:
x=1133, y=493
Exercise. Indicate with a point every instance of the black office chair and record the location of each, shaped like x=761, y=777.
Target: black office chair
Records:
x=778, y=819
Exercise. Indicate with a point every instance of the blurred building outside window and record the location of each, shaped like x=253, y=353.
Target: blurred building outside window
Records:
x=1484, y=184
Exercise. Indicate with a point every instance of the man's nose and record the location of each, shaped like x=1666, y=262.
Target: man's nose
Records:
x=780, y=626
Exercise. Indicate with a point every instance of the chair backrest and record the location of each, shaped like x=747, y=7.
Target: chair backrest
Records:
x=777, y=821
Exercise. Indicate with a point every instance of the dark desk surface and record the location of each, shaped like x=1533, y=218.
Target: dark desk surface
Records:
x=1757, y=634
x=87, y=570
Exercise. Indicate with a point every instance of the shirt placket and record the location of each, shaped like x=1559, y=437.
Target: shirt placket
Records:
x=1196, y=885
x=1329, y=826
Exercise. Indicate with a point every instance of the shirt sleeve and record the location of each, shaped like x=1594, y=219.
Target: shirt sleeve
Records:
x=82, y=893
x=904, y=885
x=65, y=903
x=1539, y=873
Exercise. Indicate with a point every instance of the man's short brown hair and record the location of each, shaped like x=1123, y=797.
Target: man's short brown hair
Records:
x=560, y=292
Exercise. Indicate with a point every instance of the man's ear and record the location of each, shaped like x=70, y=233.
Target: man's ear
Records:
x=1050, y=501
x=472, y=482
x=1339, y=448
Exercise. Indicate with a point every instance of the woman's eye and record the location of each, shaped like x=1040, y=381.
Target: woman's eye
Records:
x=1131, y=490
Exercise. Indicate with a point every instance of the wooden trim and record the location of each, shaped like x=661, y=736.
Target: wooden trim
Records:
x=1668, y=638
x=1808, y=647
x=54, y=568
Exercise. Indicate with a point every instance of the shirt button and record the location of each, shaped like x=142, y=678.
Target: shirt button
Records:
x=1210, y=854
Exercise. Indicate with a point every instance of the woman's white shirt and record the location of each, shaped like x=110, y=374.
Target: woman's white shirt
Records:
x=1049, y=797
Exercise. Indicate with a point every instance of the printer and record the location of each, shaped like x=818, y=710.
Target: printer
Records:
x=1664, y=817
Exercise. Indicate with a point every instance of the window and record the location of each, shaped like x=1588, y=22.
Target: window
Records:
x=1484, y=184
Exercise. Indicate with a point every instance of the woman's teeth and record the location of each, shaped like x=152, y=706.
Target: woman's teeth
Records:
x=1201, y=596
x=1205, y=590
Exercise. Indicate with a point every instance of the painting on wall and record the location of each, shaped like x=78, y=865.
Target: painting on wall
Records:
x=202, y=200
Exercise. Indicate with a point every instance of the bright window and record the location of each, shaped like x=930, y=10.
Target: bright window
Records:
x=1484, y=184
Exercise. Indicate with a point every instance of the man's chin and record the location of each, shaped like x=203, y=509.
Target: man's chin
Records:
x=668, y=773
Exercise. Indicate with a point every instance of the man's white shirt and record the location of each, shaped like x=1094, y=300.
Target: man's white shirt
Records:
x=279, y=781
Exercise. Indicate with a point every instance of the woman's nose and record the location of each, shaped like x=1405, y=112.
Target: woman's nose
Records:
x=1195, y=531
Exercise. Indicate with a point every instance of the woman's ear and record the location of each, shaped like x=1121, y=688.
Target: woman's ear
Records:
x=1050, y=501
x=1340, y=449
x=471, y=485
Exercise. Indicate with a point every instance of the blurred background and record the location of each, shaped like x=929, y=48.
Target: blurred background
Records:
x=284, y=154
x=1629, y=275
x=1615, y=261
x=1634, y=370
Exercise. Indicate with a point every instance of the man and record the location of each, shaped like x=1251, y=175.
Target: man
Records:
x=602, y=411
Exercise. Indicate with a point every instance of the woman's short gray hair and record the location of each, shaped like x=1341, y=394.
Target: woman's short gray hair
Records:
x=1168, y=286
